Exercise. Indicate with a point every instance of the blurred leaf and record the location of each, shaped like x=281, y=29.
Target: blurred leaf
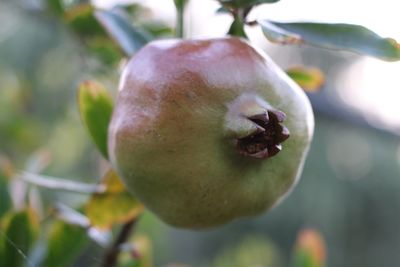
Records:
x=24, y=133
x=252, y=251
x=309, y=78
x=59, y=184
x=95, y=106
x=56, y=6
x=6, y=168
x=104, y=49
x=19, y=230
x=137, y=253
x=82, y=21
x=131, y=8
x=222, y=10
x=158, y=29
x=245, y=3
x=309, y=249
x=65, y=243
x=6, y=172
x=333, y=36
x=113, y=206
x=5, y=200
x=121, y=30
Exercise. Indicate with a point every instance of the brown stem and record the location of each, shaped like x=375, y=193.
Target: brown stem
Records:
x=251, y=23
x=111, y=256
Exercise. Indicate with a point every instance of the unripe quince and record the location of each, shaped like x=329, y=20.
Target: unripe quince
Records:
x=197, y=130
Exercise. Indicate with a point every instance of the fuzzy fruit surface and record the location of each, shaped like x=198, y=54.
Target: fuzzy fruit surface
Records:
x=181, y=107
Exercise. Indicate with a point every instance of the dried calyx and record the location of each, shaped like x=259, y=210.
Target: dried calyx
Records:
x=256, y=126
x=266, y=141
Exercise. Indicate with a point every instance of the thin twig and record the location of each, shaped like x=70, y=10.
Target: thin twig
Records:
x=111, y=256
x=60, y=184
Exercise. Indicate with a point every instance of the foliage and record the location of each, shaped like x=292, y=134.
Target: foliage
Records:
x=95, y=105
x=122, y=207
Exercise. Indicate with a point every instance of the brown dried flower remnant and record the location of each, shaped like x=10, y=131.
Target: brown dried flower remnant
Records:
x=267, y=141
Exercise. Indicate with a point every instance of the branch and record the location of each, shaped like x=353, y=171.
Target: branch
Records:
x=111, y=256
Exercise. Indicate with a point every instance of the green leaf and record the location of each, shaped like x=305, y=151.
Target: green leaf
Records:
x=245, y=3
x=5, y=200
x=303, y=258
x=6, y=171
x=95, y=106
x=82, y=21
x=309, y=78
x=19, y=230
x=129, y=38
x=354, y=38
x=65, y=243
x=56, y=6
x=158, y=29
x=104, y=49
x=115, y=205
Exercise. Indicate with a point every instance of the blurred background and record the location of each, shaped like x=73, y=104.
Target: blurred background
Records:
x=350, y=187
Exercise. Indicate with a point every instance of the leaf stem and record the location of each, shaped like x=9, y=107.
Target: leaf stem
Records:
x=111, y=256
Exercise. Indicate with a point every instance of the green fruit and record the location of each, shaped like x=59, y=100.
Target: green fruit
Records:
x=197, y=128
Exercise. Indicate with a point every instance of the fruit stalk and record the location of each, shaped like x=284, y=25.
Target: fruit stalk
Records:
x=180, y=12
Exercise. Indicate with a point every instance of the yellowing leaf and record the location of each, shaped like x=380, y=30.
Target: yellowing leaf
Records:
x=309, y=78
x=115, y=205
x=113, y=183
x=95, y=106
x=310, y=249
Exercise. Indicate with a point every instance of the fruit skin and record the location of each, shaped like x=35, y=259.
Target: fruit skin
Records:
x=168, y=138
